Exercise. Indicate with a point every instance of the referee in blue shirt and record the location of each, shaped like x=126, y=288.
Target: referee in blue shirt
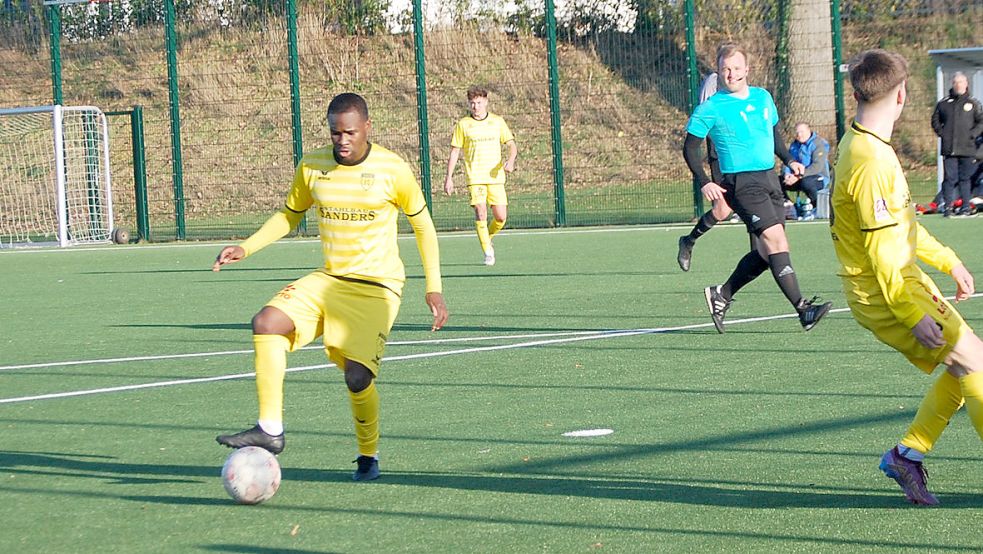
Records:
x=740, y=120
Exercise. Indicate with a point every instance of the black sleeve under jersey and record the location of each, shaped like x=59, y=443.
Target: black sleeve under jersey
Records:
x=780, y=149
x=694, y=158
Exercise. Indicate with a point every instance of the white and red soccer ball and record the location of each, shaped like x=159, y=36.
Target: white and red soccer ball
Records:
x=251, y=475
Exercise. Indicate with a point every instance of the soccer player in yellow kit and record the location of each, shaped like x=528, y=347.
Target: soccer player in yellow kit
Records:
x=877, y=240
x=480, y=136
x=358, y=189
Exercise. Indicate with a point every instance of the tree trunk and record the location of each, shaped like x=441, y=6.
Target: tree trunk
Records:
x=810, y=59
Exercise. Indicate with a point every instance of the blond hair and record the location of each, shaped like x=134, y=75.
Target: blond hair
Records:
x=728, y=49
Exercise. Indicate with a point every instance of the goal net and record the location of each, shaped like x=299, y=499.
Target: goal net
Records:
x=54, y=176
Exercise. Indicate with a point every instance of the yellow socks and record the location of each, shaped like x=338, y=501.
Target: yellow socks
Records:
x=365, y=412
x=972, y=389
x=940, y=403
x=495, y=226
x=271, y=365
x=483, y=238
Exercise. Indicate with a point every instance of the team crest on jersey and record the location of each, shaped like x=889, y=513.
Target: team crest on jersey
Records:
x=880, y=210
x=967, y=107
x=368, y=179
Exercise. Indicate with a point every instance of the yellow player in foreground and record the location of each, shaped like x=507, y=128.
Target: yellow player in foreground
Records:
x=358, y=189
x=877, y=241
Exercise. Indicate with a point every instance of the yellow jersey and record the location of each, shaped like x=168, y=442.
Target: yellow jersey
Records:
x=357, y=210
x=874, y=230
x=482, y=144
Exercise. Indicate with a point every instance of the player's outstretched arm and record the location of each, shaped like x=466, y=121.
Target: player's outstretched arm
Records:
x=510, y=161
x=965, y=285
x=942, y=258
x=275, y=228
x=694, y=158
x=783, y=154
x=435, y=301
x=929, y=250
x=426, y=243
x=228, y=255
x=451, y=164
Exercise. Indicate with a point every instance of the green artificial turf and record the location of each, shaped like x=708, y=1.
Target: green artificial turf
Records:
x=762, y=439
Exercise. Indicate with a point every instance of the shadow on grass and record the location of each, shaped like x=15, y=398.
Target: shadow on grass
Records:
x=202, y=326
x=656, y=492
x=648, y=529
x=204, y=269
x=701, y=492
x=251, y=549
x=542, y=476
x=396, y=327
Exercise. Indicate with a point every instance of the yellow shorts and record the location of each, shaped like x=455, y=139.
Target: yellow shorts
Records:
x=488, y=194
x=354, y=317
x=871, y=311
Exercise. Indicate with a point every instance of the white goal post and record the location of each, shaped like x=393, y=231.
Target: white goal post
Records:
x=55, y=185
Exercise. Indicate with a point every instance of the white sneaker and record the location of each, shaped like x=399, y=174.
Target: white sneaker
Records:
x=490, y=257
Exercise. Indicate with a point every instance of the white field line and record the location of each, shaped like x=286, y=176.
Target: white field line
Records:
x=528, y=344
x=391, y=343
x=315, y=347
x=446, y=235
x=389, y=359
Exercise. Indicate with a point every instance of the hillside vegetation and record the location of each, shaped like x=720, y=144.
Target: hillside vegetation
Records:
x=624, y=103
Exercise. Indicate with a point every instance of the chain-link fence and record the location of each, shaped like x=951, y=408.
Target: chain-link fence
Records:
x=228, y=109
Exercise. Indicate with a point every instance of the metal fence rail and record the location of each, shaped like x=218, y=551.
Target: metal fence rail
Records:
x=596, y=91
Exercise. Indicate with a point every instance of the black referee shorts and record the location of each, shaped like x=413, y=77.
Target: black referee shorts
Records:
x=757, y=198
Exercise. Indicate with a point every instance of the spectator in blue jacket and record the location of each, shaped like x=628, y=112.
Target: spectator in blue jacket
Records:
x=812, y=151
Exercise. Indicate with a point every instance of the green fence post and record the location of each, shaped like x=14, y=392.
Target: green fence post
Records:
x=139, y=169
x=174, y=98
x=782, y=68
x=54, y=29
x=295, y=119
x=560, y=208
x=140, y=174
x=837, y=76
x=422, y=116
x=694, y=88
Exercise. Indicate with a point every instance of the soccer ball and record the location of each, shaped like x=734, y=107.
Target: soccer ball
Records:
x=251, y=475
x=120, y=236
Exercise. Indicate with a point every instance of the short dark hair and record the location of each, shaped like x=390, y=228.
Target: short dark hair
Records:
x=875, y=73
x=348, y=102
x=728, y=49
x=477, y=91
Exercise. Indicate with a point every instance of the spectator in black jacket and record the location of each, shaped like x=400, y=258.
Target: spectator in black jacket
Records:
x=958, y=120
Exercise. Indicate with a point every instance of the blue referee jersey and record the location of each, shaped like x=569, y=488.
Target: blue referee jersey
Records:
x=742, y=129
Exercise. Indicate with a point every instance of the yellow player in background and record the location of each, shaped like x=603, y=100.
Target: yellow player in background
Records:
x=480, y=137
x=877, y=241
x=358, y=189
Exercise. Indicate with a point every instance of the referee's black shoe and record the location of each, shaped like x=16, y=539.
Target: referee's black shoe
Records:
x=718, y=306
x=254, y=436
x=685, y=255
x=810, y=312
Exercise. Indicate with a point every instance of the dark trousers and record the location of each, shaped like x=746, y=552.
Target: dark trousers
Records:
x=811, y=185
x=957, y=170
